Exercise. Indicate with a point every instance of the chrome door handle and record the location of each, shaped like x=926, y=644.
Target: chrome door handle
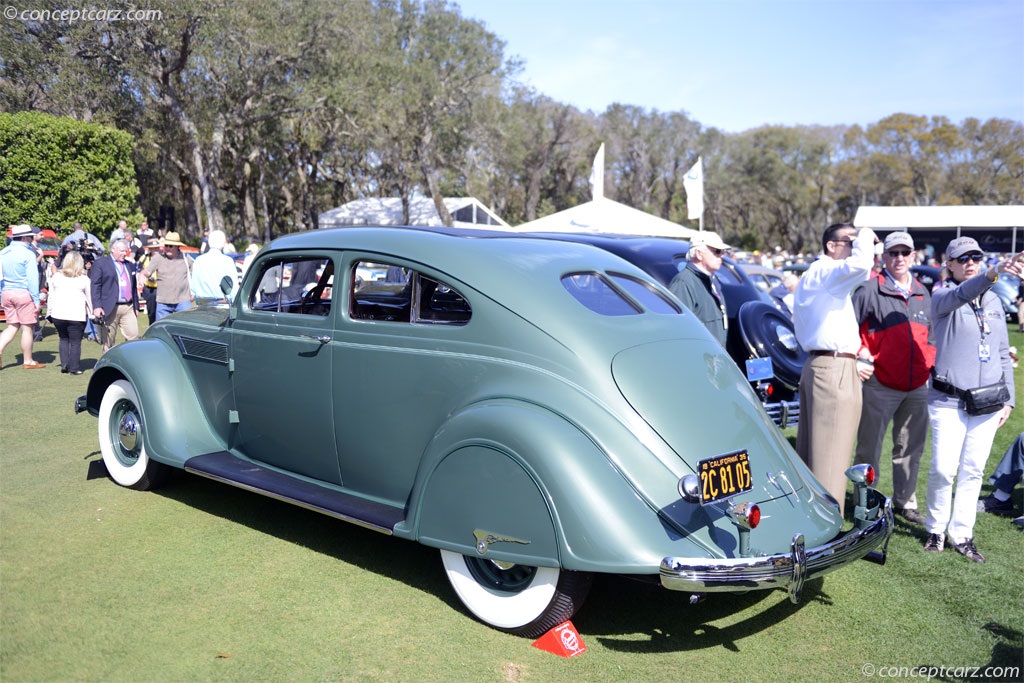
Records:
x=323, y=339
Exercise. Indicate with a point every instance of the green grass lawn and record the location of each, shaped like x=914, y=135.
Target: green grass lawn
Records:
x=201, y=581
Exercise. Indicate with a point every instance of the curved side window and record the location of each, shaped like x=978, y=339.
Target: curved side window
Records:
x=596, y=293
x=392, y=293
x=645, y=293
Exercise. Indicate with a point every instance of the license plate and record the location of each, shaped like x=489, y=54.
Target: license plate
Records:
x=759, y=369
x=724, y=476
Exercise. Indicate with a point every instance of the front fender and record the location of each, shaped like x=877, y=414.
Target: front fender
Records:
x=175, y=427
x=517, y=471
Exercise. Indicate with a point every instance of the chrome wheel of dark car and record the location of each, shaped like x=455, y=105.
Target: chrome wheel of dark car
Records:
x=121, y=443
x=526, y=601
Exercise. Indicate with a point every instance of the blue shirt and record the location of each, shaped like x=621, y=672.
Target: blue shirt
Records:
x=18, y=262
x=207, y=272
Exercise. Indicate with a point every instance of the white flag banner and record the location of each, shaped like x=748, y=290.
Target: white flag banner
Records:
x=597, y=174
x=693, y=183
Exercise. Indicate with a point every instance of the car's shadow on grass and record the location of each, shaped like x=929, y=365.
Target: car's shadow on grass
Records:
x=623, y=614
x=619, y=610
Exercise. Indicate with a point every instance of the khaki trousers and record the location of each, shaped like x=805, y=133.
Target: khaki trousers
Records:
x=908, y=411
x=830, y=403
x=123, y=318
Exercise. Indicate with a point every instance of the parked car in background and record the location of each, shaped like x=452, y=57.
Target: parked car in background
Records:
x=759, y=332
x=769, y=282
x=1007, y=288
x=536, y=410
x=926, y=275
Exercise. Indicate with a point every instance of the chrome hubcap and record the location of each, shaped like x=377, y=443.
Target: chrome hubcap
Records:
x=128, y=434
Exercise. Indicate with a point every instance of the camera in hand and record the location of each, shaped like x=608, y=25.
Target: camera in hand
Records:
x=87, y=249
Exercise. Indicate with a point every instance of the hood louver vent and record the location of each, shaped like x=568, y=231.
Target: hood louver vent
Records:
x=202, y=350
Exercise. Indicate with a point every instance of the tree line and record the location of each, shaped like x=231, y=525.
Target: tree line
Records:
x=256, y=117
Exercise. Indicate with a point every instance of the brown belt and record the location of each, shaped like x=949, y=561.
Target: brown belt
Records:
x=834, y=354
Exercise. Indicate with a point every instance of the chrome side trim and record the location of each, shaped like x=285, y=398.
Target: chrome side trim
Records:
x=784, y=570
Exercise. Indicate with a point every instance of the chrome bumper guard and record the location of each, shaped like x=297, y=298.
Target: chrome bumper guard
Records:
x=785, y=570
x=783, y=413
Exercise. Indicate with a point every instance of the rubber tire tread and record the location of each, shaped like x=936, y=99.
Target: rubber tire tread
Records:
x=571, y=591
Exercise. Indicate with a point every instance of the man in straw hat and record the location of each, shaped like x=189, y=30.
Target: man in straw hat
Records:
x=19, y=292
x=171, y=268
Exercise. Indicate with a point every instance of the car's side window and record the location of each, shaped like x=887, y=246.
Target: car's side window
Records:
x=596, y=293
x=393, y=293
x=294, y=285
x=645, y=293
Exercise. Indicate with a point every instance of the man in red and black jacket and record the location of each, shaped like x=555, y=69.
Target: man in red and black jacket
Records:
x=894, y=313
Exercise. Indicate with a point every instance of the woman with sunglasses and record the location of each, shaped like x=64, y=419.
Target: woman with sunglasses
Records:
x=973, y=350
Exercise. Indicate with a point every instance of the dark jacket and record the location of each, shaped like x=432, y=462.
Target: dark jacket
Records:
x=696, y=290
x=105, y=287
x=897, y=331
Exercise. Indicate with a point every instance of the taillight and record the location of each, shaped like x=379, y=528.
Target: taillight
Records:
x=746, y=515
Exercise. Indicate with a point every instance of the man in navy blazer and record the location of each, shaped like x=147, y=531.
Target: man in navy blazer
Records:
x=115, y=298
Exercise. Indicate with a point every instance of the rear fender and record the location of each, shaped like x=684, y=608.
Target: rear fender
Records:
x=538, y=486
x=175, y=427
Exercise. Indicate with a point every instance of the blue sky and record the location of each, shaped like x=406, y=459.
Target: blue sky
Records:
x=739, y=64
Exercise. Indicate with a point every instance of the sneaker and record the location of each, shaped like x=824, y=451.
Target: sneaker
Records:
x=935, y=543
x=909, y=514
x=995, y=506
x=968, y=550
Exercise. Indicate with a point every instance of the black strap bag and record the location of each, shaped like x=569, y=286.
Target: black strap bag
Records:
x=985, y=400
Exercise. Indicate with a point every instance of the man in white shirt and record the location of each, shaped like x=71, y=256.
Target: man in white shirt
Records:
x=826, y=327
x=210, y=268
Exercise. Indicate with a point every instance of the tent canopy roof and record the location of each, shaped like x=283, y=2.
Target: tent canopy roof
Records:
x=895, y=217
x=608, y=216
x=467, y=212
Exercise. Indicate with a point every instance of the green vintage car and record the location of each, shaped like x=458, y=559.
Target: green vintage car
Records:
x=538, y=411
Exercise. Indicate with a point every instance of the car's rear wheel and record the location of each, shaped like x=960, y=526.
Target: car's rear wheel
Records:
x=121, y=443
x=526, y=601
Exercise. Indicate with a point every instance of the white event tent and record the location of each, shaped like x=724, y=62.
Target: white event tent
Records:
x=997, y=228
x=606, y=215
x=467, y=212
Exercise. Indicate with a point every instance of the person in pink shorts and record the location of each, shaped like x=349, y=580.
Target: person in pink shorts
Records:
x=19, y=292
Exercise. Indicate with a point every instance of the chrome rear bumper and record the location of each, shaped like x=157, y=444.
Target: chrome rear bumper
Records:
x=784, y=570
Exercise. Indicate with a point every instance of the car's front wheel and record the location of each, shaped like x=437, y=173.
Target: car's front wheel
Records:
x=526, y=601
x=121, y=443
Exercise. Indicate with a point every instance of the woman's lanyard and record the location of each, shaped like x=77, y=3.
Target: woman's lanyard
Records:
x=984, y=353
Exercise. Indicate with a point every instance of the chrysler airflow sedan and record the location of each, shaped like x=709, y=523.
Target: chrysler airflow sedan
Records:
x=537, y=411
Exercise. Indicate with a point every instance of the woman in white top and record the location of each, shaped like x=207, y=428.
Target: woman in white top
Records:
x=68, y=304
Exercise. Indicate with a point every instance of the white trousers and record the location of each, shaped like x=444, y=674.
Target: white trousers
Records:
x=961, y=444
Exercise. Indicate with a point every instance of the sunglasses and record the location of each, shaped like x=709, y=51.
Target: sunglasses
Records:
x=894, y=253
x=716, y=252
x=977, y=258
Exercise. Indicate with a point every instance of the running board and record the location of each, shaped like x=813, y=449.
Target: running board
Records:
x=225, y=467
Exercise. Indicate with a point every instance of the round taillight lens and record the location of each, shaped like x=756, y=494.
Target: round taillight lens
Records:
x=869, y=478
x=771, y=389
x=753, y=516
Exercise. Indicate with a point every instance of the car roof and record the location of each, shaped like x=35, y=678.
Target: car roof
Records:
x=499, y=263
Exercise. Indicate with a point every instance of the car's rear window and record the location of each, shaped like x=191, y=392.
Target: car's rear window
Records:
x=615, y=294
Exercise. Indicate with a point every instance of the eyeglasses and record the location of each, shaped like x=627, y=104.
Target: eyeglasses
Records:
x=842, y=241
x=977, y=258
x=895, y=253
x=716, y=252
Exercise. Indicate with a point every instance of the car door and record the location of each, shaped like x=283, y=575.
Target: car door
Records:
x=281, y=365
